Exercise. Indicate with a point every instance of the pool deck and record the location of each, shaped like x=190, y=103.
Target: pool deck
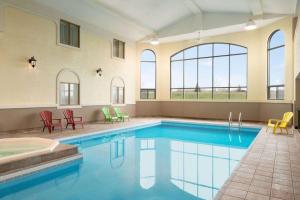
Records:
x=270, y=169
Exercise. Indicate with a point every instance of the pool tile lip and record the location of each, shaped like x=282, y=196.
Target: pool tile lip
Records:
x=39, y=168
x=109, y=132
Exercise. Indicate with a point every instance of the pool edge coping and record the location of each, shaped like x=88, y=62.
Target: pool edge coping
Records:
x=36, y=169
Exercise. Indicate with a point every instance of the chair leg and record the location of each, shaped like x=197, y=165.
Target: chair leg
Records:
x=44, y=128
x=274, y=129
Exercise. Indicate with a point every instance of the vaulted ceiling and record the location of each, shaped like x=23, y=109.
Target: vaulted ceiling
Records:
x=168, y=20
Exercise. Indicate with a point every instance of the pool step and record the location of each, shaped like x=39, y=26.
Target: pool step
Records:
x=60, y=152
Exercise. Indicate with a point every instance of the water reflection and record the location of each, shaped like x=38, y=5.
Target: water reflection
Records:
x=202, y=169
x=117, y=152
x=147, y=163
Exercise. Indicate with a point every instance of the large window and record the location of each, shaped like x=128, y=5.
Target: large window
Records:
x=69, y=34
x=209, y=71
x=276, y=65
x=148, y=75
x=69, y=94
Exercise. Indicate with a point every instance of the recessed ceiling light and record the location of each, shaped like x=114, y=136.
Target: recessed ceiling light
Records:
x=250, y=25
x=154, y=41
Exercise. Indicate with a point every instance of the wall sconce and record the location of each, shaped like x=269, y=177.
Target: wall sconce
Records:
x=99, y=72
x=32, y=61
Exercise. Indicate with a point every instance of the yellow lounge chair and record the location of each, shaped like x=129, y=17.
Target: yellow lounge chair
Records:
x=280, y=123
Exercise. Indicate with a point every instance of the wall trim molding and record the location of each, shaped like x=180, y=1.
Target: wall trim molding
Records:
x=29, y=106
x=216, y=101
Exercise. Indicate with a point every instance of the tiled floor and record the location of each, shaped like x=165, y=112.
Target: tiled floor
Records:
x=88, y=128
x=270, y=169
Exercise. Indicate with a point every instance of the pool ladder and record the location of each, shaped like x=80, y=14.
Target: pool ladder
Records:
x=230, y=121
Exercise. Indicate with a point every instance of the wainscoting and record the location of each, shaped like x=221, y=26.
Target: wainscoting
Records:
x=252, y=111
x=26, y=118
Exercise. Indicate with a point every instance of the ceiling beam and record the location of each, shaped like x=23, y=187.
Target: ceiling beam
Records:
x=202, y=21
x=1, y=17
x=256, y=7
x=192, y=6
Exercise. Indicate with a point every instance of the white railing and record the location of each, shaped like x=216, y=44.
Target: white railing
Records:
x=230, y=121
x=240, y=120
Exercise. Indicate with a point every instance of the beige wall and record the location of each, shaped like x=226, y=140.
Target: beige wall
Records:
x=25, y=118
x=251, y=111
x=26, y=91
x=255, y=40
x=26, y=35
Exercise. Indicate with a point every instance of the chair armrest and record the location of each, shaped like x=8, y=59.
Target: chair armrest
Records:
x=274, y=120
x=80, y=118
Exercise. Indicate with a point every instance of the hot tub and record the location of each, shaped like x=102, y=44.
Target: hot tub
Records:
x=16, y=148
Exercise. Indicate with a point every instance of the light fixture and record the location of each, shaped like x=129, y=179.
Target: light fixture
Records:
x=250, y=25
x=154, y=41
x=99, y=71
x=32, y=61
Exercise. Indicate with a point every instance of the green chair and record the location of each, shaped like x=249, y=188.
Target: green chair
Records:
x=107, y=115
x=120, y=115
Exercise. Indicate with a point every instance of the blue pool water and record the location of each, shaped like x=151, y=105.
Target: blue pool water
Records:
x=165, y=161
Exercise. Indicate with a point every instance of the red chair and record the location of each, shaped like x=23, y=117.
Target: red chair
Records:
x=71, y=120
x=49, y=122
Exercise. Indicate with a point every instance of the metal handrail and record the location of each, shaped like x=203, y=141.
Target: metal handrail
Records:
x=240, y=120
x=230, y=120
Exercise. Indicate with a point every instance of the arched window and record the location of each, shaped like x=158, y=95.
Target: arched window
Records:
x=276, y=65
x=117, y=89
x=210, y=71
x=148, y=75
x=68, y=88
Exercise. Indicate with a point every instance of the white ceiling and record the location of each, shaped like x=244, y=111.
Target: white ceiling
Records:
x=138, y=20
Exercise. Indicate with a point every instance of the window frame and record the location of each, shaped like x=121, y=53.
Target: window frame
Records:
x=118, y=99
x=69, y=99
x=268, y=68
x=69, y=36
x=212, y=57
x=113, y=48
x=155, y=68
